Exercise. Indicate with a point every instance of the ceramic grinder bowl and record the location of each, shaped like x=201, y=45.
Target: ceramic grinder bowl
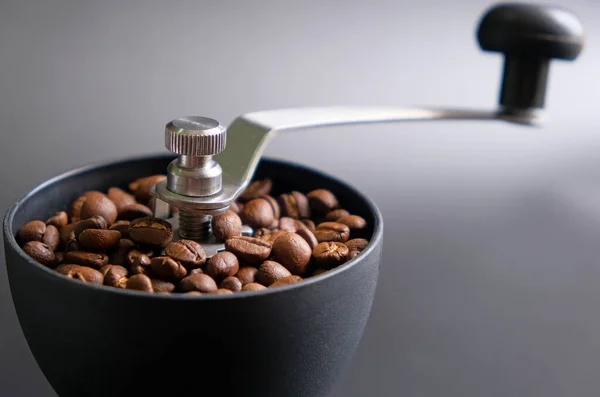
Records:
x=94, y=340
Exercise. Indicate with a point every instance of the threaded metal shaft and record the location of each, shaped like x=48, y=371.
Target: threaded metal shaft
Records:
x=194, y=226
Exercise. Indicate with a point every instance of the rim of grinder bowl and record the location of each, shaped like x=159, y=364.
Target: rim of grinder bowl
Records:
x=10, y=235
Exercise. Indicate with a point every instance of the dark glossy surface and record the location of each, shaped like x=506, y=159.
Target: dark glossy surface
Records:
x=529, y=35
x=293, y=341
x=531, y=30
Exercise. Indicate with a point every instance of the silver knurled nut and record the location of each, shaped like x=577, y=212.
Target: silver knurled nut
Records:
x=195, y=136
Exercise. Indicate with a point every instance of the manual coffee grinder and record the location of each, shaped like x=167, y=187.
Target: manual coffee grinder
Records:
x=290, y=341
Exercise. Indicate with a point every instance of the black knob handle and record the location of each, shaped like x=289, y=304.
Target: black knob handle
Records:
x=531, y=30
x=529, y=36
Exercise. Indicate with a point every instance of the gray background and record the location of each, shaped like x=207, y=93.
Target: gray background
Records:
x=490, y=283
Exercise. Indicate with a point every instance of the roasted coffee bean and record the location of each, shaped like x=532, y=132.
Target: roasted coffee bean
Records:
x=266, y=234
x=335, y=215
x=293, y=252
x=352, y=254
x=139, y=263
x=40, y=253
x=247, y=274
x=66, y=268
x=59, y=220
x=308, y=236
x=295, y=226
x=72, y=244
x=135, y=211
x=231, y=283
x=99, y=205
x=151, y=231
x=271, y=271
x=262, y=233
x=294, y=205
x=74, y=210
x=319, y=271
x=221, y=265
x=198, y=282
x=354, y=222
x=322, y=201
x=286, y=281
x=99, y=240
x=119, y=255
x=253, y=287
x=274, y=225
x=162, y=286
x=193, y=293
x=32, y=231
x=275, y=235
x=122, y=226
x=51, y=237
x=140, y=282
x=257, y=189
x=357, y=244
x=85, y=274
x=258, y=213
x=121, y=199
x=71, y=271
x=141, y=187
x=167, y=268
x=332, y=231
x=104, y=269
x=330, y=254
x=188, y=252
x=288, y=224
x=197, y=270
x=235, y=207
x=250, y=250
x=302, y=204
x=309, y=224
x=274, y=206
x=222, y=291
x=226, y=225
x=90, y=259
x=95, y=222
x=114, y=276
x=60, y=256
x=67, y=233
x=292, y=225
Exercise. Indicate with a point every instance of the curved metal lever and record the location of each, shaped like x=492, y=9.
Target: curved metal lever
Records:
x=249, y=134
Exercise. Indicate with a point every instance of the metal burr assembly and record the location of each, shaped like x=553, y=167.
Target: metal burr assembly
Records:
x=196, y=140
x=193, y=177
x=529, y=36
x=194, y=173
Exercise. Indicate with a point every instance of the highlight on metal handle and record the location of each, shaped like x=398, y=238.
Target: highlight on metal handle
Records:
x=250, y=133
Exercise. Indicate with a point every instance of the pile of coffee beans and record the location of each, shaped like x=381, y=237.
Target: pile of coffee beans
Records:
x=112, y=239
